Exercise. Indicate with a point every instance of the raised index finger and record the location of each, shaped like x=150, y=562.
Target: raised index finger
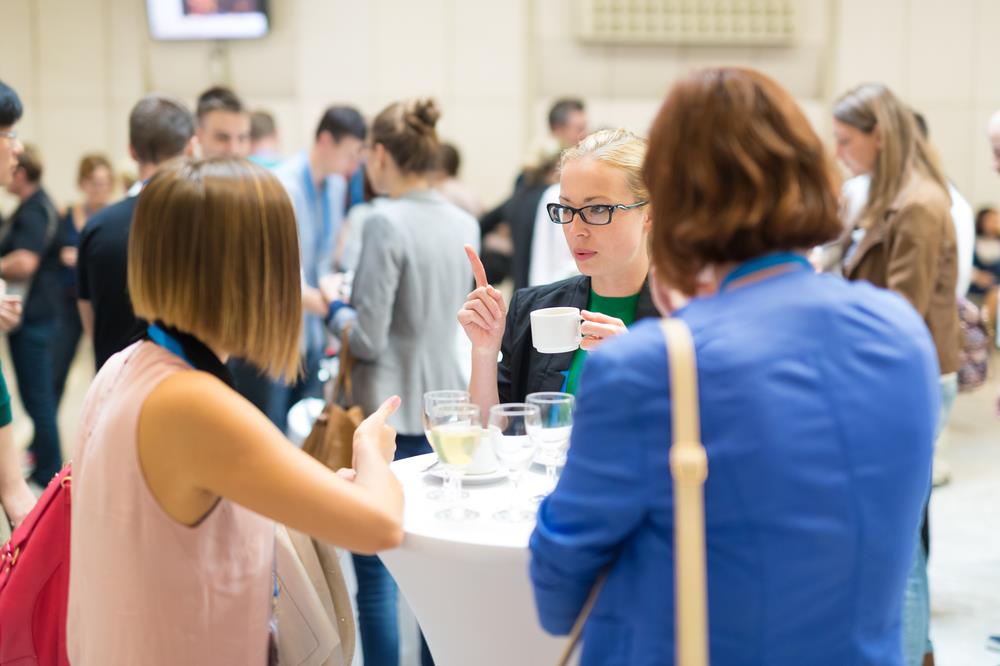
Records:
x=478, y=270
x=385, y=410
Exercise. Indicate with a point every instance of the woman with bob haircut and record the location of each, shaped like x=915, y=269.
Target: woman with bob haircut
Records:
x=908, y=245
x=177, y=477
x=817, y=402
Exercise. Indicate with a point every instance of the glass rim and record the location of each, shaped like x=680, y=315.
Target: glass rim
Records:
x=455, y=408
x=550, y=397
x=445, y=397
x=445, y=392
x=513, y=408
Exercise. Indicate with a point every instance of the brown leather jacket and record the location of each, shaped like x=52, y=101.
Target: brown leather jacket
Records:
x=912, y=251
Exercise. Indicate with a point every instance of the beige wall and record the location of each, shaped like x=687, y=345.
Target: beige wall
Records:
x=81, y=64
x=495, y=66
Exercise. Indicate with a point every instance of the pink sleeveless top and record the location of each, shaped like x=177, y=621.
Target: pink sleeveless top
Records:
x=143, y=588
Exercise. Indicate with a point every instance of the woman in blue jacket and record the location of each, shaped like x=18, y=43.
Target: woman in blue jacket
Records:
x=818, y=401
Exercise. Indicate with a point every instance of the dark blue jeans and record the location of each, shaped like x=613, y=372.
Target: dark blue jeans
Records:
x=31, y=352
x=377, y=591
x=65, y=341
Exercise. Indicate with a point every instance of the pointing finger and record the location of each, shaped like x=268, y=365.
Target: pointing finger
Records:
x=478, y=270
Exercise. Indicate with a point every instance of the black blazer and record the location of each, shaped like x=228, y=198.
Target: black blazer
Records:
x=519, y=213
x=522, y=370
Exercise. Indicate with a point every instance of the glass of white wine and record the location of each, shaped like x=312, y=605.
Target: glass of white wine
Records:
x=552, y=431
x=432, y=398
x=456, y=433
x=508, y=428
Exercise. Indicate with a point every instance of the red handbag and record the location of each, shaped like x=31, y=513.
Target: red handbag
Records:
x=34, y=582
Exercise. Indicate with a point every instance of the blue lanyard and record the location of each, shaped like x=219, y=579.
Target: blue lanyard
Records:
x=165, y=340
x=324, y=206
x=763, y=263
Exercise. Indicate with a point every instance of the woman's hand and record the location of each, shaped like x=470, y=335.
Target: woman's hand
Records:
x=597, y=328
x=10, y=312
x=68, y=255
x=484, y=315
x=18, y=502
x=373, y=435
x=332, y=287
x=983, y=279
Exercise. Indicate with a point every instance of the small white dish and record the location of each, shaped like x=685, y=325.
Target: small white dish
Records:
x=472, y=479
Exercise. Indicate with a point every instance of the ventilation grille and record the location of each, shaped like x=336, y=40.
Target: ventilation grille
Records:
x=756, y=22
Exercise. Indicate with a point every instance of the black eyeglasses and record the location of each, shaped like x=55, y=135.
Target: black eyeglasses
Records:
x=596, y=214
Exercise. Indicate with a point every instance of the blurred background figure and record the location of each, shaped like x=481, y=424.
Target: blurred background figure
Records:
x=568, y=122
x=223, y=128
x=265, y=148
x=447, y=182
x=16, y=499
x=29, y=262
x=905, y=242
x=160, y=128
x=316, y=181
x=95, y=180
x=987, y=269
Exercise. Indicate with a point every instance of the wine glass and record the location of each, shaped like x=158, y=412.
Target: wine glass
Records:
x=432, y=398
x=551, y=432
x=508, y=428
x=456, y=433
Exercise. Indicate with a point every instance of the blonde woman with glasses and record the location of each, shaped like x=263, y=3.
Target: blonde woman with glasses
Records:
x=604, y=213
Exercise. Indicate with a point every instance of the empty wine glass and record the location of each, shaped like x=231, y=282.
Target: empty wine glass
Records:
x=432, y=398
x=456, y=433
x=508, y=428
x=552, y=431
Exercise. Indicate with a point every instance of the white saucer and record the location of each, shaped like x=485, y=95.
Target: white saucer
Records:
x=472, y=479
x=538, y=462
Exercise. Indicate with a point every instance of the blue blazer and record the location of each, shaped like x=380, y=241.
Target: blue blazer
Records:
x=819, y=400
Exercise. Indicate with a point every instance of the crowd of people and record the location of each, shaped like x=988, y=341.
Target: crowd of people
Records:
x=824, y=317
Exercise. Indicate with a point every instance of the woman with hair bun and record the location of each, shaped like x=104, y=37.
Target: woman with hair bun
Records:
x=411, y=278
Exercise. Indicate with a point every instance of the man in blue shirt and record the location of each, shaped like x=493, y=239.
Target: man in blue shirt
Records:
x=317, y=184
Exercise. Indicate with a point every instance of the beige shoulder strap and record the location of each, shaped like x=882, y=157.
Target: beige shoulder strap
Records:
x=689, y=469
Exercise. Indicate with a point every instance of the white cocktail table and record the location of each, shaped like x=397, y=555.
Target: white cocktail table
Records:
x=467, y=583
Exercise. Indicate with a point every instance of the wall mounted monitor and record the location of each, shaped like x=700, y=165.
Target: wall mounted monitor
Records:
x=207, y=19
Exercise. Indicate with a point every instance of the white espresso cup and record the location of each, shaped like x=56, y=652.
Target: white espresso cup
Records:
x=485, y=459
x=555, y=330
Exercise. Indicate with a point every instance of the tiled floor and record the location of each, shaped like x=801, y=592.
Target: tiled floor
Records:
x=965, y=516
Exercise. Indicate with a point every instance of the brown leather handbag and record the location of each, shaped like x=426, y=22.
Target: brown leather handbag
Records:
x=688, y=469
x=331, y=440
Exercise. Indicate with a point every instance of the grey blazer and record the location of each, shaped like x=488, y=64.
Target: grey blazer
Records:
x=412, y=279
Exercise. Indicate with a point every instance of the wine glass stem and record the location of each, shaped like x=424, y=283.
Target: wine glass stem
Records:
x=458, y=508
x=515, y=481
x=449, y=484
x=550, y=476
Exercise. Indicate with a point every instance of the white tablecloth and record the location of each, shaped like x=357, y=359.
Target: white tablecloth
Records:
x=467, y=583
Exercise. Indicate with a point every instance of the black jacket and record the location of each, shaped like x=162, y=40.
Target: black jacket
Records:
x=522, y=370
x=519, y=213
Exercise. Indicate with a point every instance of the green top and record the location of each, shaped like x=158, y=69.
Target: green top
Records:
x=621, y=307
x=5, y=416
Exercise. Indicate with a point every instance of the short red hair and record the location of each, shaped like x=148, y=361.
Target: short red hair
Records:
x=734, y=171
